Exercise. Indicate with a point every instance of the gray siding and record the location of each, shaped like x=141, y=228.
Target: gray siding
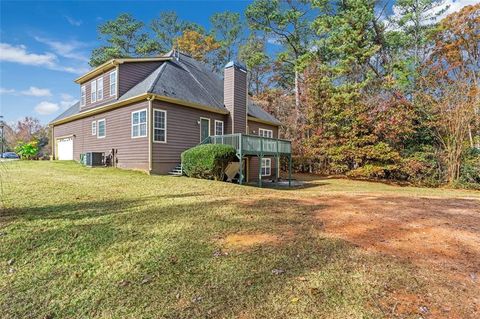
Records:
x=106, y=91
x=183, y=132
x=235, y=99
x=253, y=162
x=132, y=152
x=132, y=73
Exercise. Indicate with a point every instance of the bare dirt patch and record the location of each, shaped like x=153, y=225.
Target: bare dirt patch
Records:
x=440, y=236
x=245, y=241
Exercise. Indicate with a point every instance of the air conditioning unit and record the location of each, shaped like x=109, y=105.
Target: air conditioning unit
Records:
x=94, y=159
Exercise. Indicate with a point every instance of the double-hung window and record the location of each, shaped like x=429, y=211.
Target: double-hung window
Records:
x=265, y=133
x=101, y=129
x=100, y=88
x=93, y=92
x=113, y=83
x=266, y=166
x=139, y=123
x=160, y=126
x=83, y=95
x=94, y=128
x=218, y=127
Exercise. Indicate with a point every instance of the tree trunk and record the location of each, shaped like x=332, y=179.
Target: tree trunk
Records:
x=297, y=99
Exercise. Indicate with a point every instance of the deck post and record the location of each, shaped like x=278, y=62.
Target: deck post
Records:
x=241, y=160
x=260, y=164
x=290, y=170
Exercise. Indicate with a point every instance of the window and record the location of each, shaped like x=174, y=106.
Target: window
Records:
x=100, y=88
x=266, y=166
x=83, y=95
x=160, y=126
x=218, y=127
x=139, y=123
x=93, y=92
x=113, y=83
x=265, y=133
x=101, y=128
x=94, y=128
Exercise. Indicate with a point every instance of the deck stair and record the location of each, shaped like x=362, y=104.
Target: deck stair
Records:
x=177, y=171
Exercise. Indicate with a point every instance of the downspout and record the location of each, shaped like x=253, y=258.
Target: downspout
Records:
x=150, y=129
x=53, y=141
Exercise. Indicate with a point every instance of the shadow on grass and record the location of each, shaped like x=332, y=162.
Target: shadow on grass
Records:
x=169, y=263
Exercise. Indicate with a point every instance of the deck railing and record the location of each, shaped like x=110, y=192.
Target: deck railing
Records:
x=252, y=144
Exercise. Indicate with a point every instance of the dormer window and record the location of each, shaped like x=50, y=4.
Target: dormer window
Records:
x=113, y=83
x=93, y=92
x=83, y=95
x=100, y=88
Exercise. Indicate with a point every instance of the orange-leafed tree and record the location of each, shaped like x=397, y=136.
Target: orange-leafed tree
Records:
x=199, y=46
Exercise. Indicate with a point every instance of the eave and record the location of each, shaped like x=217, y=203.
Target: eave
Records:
x=254, y=119
x=113, y=63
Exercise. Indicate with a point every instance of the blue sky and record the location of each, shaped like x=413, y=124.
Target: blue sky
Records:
x=45, y=45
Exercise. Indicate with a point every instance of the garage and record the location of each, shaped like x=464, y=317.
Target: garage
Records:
x=65, y=148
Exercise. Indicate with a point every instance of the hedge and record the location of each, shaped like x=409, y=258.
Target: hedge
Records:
x=207, y=161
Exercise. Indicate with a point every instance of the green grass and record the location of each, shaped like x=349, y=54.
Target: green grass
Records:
x=108, y=243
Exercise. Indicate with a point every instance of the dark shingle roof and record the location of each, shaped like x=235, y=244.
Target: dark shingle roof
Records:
x=186, y=79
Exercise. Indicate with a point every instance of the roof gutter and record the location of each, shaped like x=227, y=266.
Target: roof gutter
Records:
x=112, y=63
x=143, y=96
x=254, y=119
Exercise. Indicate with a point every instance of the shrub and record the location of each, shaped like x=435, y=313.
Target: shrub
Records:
x=470, y=169
x=207, y=161
x=27, y=150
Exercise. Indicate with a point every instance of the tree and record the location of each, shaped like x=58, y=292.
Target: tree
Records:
x=287, y=23
x=198, y=45
x=227, y=29
x=450, y=88
x=168, y=27
x=125, y=39
x=253, y=54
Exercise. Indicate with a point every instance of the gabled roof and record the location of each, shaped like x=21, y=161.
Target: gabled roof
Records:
x=183, y=78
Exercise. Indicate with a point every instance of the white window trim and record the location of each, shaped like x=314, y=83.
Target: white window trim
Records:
x=146, y=123
x=223, y=127
x=209, y=127
x=262, y=134
x=93, y=84
x=83, y=95
x=94, y=128
x=110, y=83
x=100, y=79
x=153, y=139
x=105, y=128
x=269, y=166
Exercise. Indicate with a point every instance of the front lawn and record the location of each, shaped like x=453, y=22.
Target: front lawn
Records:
x=107, y=243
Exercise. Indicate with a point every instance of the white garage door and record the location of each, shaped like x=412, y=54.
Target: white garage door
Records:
x=65, y=149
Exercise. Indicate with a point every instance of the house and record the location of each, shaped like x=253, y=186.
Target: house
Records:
x=150, y=110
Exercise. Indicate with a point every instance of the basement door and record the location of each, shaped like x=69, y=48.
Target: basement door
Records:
x=65, y=149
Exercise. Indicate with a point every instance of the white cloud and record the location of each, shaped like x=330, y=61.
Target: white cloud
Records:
x=46, y=108
x=454, y=6
x=73, y=21
x=67, y=101
x=19, y=54
x=67, y=49
x=34, y=91
x=6, y=91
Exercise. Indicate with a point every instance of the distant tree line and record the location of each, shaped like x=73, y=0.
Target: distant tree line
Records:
x=361, y=93
x=28, y=138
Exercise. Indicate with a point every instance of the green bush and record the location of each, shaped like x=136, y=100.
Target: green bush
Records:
x=27, y=150
x=207, y=161
x=470, y=169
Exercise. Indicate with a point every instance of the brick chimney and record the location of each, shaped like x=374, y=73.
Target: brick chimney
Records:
x=235, y=97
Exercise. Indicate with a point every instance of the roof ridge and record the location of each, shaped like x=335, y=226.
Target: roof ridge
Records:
x=154, y=83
